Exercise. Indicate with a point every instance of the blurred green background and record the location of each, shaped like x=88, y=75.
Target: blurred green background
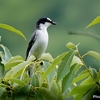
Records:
x=72, y=15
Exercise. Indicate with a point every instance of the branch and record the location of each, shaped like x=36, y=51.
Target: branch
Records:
x=97, y=37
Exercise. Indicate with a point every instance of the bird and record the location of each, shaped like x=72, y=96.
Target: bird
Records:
x=39, y=40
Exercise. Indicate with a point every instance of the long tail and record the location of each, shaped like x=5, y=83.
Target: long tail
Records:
x=29, y=69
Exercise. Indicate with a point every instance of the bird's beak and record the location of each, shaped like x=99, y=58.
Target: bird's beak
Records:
x=53, y=23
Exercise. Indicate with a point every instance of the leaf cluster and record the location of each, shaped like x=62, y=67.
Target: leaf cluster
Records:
x=50, y=81
x=55, y=79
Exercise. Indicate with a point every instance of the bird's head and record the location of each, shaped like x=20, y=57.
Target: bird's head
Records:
x=44, y=23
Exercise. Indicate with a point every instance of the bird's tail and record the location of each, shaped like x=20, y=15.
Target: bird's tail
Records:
x=30, y=70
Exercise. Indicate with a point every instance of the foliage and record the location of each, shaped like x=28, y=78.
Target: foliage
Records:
x=56, y=79
x=10, y=28
x=94, y=22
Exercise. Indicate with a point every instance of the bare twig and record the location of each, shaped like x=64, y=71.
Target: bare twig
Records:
x=97, y=37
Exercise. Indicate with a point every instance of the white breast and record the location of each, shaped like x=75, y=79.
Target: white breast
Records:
x=40, y=44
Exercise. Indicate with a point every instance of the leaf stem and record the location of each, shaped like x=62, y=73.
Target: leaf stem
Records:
x=81, y=57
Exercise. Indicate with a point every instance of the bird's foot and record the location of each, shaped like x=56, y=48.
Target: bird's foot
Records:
x=38, y=62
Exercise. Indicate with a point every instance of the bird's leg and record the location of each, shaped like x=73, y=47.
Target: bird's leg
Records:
x=38, y=61
x=41, y=62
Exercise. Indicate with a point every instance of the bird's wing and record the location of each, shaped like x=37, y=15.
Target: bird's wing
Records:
x=31, y=43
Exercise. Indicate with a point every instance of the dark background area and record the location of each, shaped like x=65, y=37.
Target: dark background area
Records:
x=70, y=15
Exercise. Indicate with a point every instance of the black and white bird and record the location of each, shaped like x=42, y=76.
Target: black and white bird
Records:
x=39, y=39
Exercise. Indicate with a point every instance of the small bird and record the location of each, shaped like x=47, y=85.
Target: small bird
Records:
x=39, y=40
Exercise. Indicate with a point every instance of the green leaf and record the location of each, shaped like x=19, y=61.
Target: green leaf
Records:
x=83, y=72
x=95, y=21
x=6, y=56
x=0, y=38
x=19, y=82
x=13, y=62
x=38, y=96
x=64, y=66
x=2, y=69
x=52, y=74
x=81, y=89
x=78, y=97
x=10, y=28
x=23, y=93
x=81, y=77
x=34, y=80
x=88, y=80
x=78, y=68
x=77, y=60
x=94, y=73
x=70, y=45
x=47, y=56
x=16, y=71
x=89, y=94
x=3, y=96
x=93, y=54
x=53, y=65
x=67, y=80
x=2, y=90
x=61, y=97
x=54, y=88
x=47, y=94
